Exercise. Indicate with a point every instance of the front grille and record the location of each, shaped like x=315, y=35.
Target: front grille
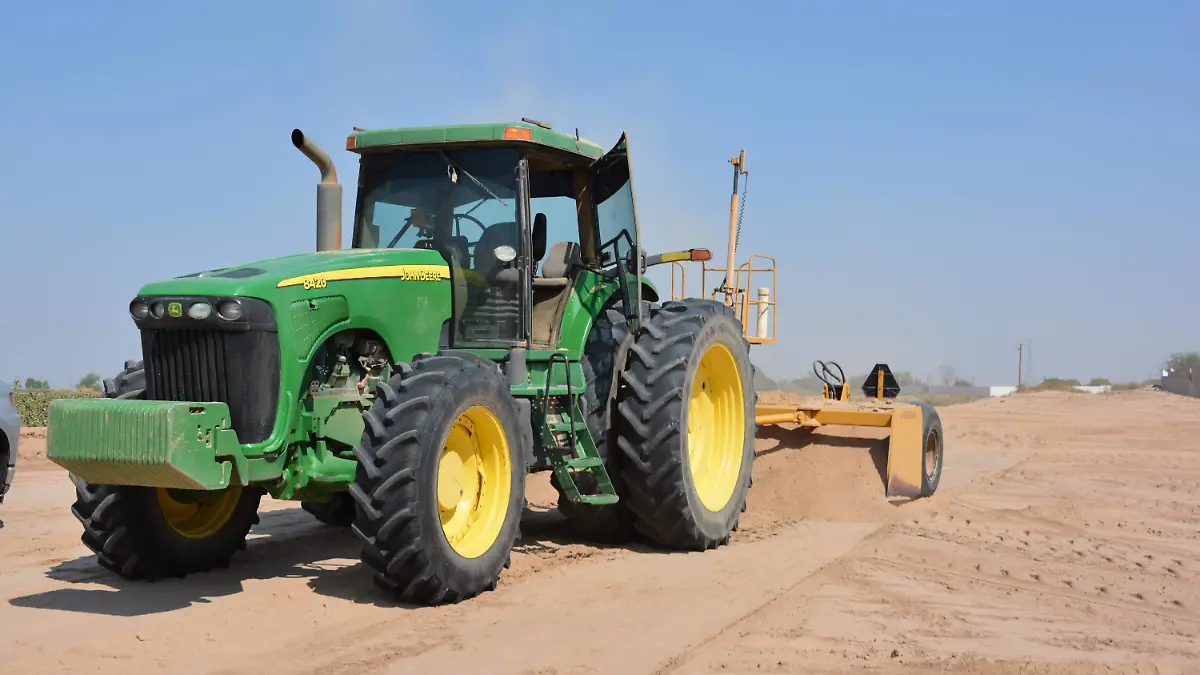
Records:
x=239, y=369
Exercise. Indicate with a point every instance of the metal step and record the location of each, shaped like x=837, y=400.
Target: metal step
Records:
x=579, y=452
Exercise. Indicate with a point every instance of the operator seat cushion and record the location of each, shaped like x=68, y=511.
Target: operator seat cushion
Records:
x=557, y=268
x=550, y=291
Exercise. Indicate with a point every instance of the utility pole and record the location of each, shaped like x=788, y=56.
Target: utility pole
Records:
x=1029, y=361
x=1020, y=348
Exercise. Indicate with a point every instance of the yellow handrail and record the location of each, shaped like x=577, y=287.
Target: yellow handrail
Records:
x=738, y=296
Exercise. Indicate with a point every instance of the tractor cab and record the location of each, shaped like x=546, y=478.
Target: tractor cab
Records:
x=518, y=214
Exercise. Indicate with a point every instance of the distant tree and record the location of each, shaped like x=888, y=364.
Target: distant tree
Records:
x=905, y=378
x=962, y=383
x=89, y=381
x=947, y=373
x=1100, y=382
x=1183, y=361
x=31, y=383
x=1058, y=381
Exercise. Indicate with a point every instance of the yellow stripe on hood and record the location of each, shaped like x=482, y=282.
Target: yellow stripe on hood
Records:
x=403, y=272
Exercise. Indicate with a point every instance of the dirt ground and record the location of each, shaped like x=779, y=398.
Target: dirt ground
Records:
x=1065, y=538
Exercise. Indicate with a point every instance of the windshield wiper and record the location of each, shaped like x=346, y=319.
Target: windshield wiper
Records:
x=475, y=180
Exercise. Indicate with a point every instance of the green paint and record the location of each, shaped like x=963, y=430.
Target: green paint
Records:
x=323, y=302
x=571, y=449
x=155, y=443
x=311, y=318
x=475, y=134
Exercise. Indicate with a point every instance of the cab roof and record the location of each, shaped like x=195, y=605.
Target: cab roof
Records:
x=503, y=132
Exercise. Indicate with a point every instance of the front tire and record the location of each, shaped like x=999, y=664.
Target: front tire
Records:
x=686, y=425
x=338, y=511
x=150, y=533
x=441, y=479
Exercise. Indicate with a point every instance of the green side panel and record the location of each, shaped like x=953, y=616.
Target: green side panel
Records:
x=460, y=133
x=153, y=443
x=314, y=316
x=590, y=294
x=648, y=284
x=369, y=289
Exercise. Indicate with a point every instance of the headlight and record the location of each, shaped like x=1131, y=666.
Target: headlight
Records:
x=230, y=310
x=200, y=310
x=139, y=309
x=158, y=309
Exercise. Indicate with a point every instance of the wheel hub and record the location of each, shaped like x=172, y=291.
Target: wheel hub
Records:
x=474, y=482
x=716, y=427
x=198, y=516
x=450, y=481
x=931, y=456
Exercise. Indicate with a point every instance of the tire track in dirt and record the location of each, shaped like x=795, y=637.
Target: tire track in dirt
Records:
x=1077, y=560
x=824, y=576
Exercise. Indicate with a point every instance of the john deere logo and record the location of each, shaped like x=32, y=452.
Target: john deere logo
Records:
x=175, y=309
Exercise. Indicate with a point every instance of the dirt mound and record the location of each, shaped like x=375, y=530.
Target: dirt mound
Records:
x=832, y=474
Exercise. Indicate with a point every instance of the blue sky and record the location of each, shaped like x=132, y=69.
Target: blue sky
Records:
x=937, y=180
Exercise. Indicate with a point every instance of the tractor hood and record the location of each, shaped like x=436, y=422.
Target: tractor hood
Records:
x=266, y=278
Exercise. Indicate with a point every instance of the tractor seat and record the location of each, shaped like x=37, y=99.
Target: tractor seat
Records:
x=486, y=263
x=557, y=267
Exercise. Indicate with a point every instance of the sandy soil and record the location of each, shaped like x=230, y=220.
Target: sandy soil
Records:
x=1065, y=538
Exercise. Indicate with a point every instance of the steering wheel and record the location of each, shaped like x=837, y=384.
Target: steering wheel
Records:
x=822, y=370
x=466, y=216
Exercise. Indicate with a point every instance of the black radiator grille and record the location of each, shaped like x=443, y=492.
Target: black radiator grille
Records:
x=240, y=369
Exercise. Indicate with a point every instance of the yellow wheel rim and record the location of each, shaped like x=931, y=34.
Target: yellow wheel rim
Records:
x=716, y=427
x=203, y=517
x=474, y=482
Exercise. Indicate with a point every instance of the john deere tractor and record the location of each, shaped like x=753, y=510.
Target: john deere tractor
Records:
x=491, y=318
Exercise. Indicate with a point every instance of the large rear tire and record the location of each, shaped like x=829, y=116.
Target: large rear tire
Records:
x=440, y=484
x=150, y=533
x=686, y=426
x=612, y=523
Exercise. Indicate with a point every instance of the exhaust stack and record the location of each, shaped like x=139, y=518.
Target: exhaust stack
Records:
x=329, y=194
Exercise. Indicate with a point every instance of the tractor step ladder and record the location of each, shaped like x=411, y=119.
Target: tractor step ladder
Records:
x=578, y=453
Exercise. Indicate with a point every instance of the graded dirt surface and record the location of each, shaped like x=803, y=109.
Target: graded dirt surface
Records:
x=1065, y=538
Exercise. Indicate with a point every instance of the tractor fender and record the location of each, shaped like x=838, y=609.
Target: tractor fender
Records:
x=621, y=357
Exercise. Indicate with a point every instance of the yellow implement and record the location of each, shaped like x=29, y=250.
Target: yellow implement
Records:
x=916, y=443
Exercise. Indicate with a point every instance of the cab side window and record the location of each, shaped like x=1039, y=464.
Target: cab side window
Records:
x=561, y=224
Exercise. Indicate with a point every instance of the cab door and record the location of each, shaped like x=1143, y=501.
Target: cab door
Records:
x=618, y=239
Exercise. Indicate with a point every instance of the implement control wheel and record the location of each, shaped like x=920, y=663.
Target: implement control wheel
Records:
x=685, y=425
x=150, y=533
x=441, y=479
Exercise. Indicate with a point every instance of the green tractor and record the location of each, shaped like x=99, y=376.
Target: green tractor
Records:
x=404, y=388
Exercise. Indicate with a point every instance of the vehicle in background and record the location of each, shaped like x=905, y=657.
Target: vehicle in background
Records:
x=10, y=435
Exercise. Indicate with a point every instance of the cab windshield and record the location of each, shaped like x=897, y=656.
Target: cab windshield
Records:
x=463, y=204
x=405, y=198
